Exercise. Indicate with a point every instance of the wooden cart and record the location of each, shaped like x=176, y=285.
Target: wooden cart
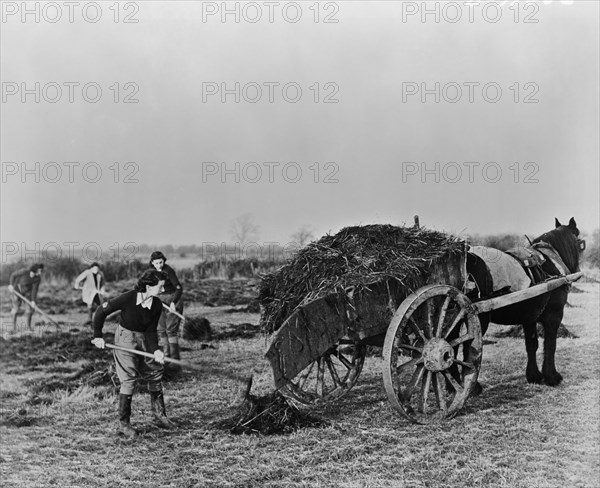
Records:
x=431, y=339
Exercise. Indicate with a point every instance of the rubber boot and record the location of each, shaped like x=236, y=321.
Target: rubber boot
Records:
x=175, y=368
x=28, y=317
x=157, y=404
x=125, y=427
x=14, y=322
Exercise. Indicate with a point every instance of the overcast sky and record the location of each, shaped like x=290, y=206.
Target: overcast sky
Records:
x=361, y=159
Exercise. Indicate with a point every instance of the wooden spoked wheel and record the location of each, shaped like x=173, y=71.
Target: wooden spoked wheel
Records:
x=432, y=354
x=329, y=377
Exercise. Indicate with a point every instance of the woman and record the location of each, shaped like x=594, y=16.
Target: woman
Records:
x=140, y=311
x=168, y=325
x=25, y=281
x=91, y=283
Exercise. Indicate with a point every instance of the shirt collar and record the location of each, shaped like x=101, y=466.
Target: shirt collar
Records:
x=144, y=303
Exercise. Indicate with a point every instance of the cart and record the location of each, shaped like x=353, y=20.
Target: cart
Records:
x=431, y=339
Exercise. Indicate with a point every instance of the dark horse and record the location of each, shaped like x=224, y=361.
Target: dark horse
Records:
x=547, y=308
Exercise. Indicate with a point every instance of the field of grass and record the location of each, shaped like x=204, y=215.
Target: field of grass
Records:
x=59, y=416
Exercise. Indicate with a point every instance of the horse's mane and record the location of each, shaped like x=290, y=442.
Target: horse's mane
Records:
x=564, y=241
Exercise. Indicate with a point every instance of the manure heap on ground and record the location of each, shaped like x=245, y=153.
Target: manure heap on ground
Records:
x=269, y=414
x=352, y=259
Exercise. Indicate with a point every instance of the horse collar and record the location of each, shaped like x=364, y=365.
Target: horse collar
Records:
x=550, y=253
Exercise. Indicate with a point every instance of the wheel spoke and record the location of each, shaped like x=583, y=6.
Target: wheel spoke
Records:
x=429, y=315
x=425, y=385
x=457, y=388
x=417, y=329
x=412, y=384
x=438, y=332
x=410, y=348
x=304, y=376
x=334, y=374
x=463, y=363
x=440, y=390
x=408, y=364
x=460, y=340
x=320, y=377
x=455, y=322
x=344, y=360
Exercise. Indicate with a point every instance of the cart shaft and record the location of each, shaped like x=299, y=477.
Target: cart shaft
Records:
x=519, y=296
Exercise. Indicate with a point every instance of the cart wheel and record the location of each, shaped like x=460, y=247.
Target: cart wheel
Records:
x=329, y=377
x=432, y=354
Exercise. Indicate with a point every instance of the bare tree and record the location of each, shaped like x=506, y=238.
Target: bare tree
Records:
x=303, y=235
x=244, y=229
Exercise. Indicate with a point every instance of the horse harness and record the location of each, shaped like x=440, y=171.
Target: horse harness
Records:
x=534, y=256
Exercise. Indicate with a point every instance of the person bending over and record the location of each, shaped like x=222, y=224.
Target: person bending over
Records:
x=25, y=281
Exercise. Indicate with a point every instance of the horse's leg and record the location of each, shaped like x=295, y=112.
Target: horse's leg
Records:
x=484, y=320
x=532, y=373
x=551, y=319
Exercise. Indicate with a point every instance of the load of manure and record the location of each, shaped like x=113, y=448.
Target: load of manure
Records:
x=352, y=259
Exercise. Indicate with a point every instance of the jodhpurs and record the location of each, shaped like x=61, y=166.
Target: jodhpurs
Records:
x=129, y=366
x=168, y=324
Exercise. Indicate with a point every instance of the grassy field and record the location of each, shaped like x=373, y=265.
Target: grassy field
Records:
x=59, y=416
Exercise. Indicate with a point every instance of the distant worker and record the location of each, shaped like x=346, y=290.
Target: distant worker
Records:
x=25, y=281
x=91, y=283
x=140, y=311
x=168, y=326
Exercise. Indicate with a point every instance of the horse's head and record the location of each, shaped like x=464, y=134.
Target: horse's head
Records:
x=565, y=239
x=574, y=230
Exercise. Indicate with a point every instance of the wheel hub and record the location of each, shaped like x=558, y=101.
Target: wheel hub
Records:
x=438, y=355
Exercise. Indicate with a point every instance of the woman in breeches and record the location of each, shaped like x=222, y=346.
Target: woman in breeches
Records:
x=140, y=311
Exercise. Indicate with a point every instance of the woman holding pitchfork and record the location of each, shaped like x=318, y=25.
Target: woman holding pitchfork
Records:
x=26, y=282
x=140, y=311
x=168, y=326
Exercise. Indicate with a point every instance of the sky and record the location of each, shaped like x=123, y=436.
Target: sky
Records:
x=315, y=114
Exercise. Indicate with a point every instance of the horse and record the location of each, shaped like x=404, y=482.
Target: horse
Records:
x=561, y=249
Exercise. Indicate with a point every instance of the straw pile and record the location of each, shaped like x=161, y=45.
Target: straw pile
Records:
x=352, y=259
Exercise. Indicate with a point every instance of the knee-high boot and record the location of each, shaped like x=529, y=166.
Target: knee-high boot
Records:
x=175, y=368
x=14, y=321
x=124, y=416
x=157, y=404
x=28, y=318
